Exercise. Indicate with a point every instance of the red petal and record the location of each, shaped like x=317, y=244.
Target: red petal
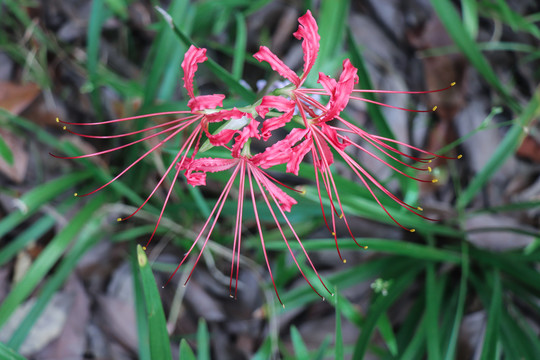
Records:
x=281, y=152
x=204, y=102
x=192, y=57
x=264, y=54
x=249, y=131
x=225, y=115
x=275, y=123
x=298, y=154
x=276, y=102
x=308, y=31
x=212, y=164
x=283, y=198
x=340, y=92
x=221, y=138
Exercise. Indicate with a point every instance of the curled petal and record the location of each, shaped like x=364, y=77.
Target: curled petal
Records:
x=212, y=164
x=326, y=157
x=298, y=154
x=275, y=123
x=192, y=57
x=196, y=178
x=338, y=141
x=281, y=152
x=308, y=31
x=249, y=131
x=225, y=115
x=264, y=54
x=275, y=102
x=222, y=137
x=285, y=201
x=340, y=92
x=204, y=102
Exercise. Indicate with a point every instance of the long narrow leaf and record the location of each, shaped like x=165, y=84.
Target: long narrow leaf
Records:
x=160, y=347
x=47, y=259
x=506, y=148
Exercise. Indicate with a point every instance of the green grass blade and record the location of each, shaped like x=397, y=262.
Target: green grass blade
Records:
x=98, y=14
x=506, y=148
x=491, y=336
x=35, y=198
x=239, y=47
x=203, y=341
x=470, y=17
x=89, y=237
x=229, y=80
x=185, y=351
x=432, y=314
x=416, y=251
x=332, y=21
x=160, y=347
x=452, y=344
x=140, y=308
x=5, y=152
x=452, y=22
x=387, y=333
x=165, y=56
x=9, y=354
x=339, y=336
x=47, y=259
x=300, y=349
x=415, y=346
x=380, y=306
x=32, y=232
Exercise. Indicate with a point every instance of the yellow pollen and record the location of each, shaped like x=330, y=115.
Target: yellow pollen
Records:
x=412, y=230
x=75, y=194
x=435, y=108
x=119, y=219
x=333, y=233
x=64, y=128
x=459, y=156
x=429, y=168
x=365, y=247
x=429, y=162
x=419, y=208
x=57, y=120
x=303, y=192
x=434, y=180
x=344, y=261
x=341, y=216
x=453, y=83
x=144, y=248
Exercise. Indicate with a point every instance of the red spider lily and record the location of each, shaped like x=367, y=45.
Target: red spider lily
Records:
x=317, y=136
x=203, y=111
x=320, y=138
x=245, y=166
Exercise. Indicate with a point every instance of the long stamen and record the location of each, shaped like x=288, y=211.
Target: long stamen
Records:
x=335, y=191
x=185, y=147
x=391, y=106
x=133, y=132
x=259, y=178
x=123, y=119
x=183, y=126
x=261, y=236
x=134, y=163
x=238, y=230
x=219, y=203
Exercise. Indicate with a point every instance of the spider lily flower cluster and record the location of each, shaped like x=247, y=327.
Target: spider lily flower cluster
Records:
x=320, y=132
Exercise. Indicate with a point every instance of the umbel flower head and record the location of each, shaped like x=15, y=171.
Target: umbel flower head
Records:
x=318, y=129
